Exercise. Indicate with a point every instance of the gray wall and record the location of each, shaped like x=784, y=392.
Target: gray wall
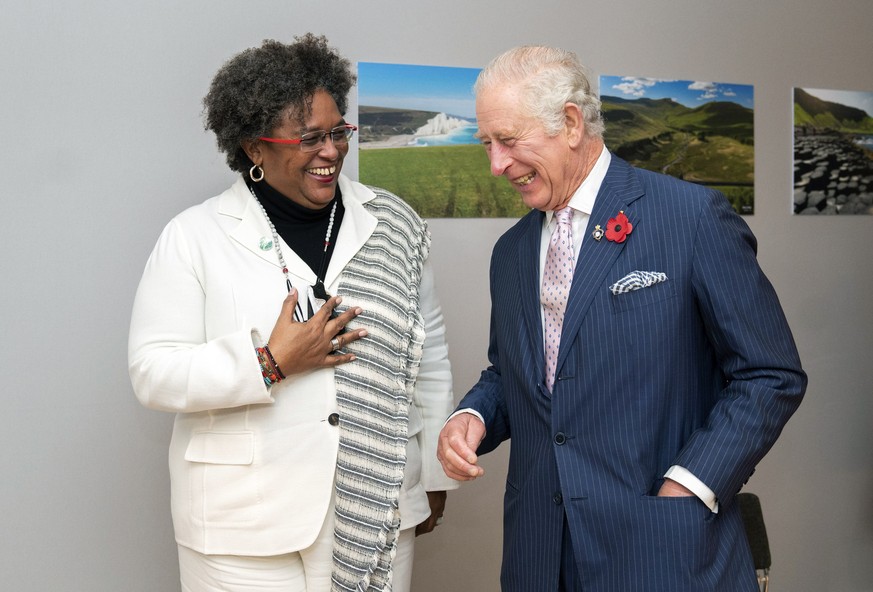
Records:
x=103, y=143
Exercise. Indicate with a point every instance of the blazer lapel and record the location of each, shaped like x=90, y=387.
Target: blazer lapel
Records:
x=619, y=190
x=357, y=226
x=254, y=234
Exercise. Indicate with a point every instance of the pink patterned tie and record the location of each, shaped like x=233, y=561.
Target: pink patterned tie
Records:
x=557, y=277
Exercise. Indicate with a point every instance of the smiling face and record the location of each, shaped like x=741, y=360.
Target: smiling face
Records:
x=546, y=170
x=307, y=178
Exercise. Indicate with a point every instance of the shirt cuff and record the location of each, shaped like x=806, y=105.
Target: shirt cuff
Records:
x=470, y=411
x=684, y=477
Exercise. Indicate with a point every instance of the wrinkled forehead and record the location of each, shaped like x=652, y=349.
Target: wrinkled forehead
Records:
x=500, y=112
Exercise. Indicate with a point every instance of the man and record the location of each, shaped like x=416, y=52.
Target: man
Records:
x=641, y=387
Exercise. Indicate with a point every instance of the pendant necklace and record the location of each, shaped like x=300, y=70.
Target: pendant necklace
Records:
x=318, y=289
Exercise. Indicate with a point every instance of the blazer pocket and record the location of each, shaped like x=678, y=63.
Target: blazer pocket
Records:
x=221, y=448
x=642, y=297
x=222, y=478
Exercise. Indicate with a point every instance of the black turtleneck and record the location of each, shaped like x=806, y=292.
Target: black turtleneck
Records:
x=301, y=228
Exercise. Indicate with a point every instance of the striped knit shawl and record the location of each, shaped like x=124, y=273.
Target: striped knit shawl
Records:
x=374, y=392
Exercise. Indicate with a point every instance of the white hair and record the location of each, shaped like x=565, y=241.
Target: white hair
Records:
x=549, y=78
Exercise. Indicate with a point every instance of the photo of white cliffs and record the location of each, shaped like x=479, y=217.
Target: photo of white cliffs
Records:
x=394, y=128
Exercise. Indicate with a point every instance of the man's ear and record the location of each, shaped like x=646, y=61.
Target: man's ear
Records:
x=574, y=124
x=252, y=148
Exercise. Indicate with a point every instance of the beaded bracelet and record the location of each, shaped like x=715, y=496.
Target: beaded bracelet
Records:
x=273, y=361
x=269, y=369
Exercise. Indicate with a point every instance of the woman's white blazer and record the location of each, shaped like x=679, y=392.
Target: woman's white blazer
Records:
x=252, y=468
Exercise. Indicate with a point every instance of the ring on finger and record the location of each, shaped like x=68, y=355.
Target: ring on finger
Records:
x=439, y=520
x=334, y=344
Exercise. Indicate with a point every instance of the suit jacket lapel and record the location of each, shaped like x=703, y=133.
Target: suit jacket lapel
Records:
x=619, y=190
x=529, y=285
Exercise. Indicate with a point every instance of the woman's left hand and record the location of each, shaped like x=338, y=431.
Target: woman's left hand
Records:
x=437, y=501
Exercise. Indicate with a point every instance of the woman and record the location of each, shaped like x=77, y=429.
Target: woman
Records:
x=288, y=453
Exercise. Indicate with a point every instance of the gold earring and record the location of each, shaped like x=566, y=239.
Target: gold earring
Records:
x=252, y=173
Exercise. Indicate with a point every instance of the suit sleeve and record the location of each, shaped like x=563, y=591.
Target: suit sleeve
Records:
x=172, y=366
x=764, y=381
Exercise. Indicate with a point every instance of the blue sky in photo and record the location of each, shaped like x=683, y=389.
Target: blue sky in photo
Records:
x=689, y=93
x=427, y=88
x=850, y=98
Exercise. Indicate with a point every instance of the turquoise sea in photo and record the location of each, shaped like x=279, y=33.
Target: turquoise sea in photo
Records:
x=461, y=135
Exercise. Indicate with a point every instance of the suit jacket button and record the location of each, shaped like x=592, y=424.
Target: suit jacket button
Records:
x=560, y=438
x=333, y=419
x=558, y=498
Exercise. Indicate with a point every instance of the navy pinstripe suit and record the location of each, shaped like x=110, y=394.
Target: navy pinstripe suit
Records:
x=699, y=371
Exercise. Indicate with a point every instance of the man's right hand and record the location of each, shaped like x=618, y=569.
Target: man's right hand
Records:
x=459, y=439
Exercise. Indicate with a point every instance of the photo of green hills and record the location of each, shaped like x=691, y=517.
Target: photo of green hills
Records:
x=417, y=126
x=701, y=132
x=833, y=152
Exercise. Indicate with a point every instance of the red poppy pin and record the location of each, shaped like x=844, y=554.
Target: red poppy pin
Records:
x=618, y=228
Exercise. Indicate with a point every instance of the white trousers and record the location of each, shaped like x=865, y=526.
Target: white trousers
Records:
x=307, y=570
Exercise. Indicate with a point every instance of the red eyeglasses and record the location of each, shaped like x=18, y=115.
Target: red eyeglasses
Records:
x=313, y=141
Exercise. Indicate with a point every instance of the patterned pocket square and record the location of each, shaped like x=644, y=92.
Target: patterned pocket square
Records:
x=636, y=280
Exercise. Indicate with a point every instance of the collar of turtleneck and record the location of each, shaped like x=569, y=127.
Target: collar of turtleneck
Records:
x=303, y=229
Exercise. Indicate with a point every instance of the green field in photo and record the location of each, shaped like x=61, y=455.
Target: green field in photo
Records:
x=442, y=181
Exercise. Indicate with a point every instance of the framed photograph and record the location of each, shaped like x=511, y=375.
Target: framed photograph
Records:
x=833, y=152
x=701, y=132
x=417, y=127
